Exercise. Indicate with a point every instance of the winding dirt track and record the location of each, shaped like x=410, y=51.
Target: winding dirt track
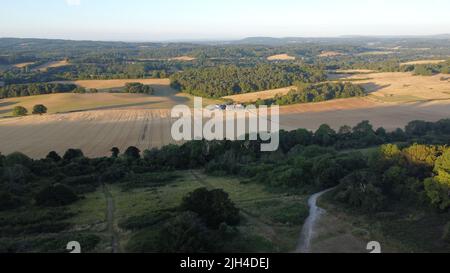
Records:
x=308, y=232
x=115, y=247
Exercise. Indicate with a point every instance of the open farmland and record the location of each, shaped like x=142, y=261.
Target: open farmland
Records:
x=96, y=132
x=383, y=87
x=326, y=54
x=117, y=84
x=164, y=98
x=22, y=65
x=254, y=96
x=281, y=57
x=404, y=87
x=125, y=120
x=423, y=62
x=54, y=64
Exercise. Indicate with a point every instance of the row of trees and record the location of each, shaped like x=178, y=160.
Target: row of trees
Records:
x=139, y=88
x=229, y=80
x=23, y=90
x=305, y=93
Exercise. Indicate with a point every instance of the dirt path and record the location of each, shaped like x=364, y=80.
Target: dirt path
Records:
x=308, y=231
x=110, y=220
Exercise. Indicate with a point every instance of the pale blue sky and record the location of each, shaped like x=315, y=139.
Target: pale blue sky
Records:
x=153, y=20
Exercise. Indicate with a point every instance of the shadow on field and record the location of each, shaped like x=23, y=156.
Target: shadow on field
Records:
x=9, y=103
x=112, y=107
x=373, y=87
x=6, y=104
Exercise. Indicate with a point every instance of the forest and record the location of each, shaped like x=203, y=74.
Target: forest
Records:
x=23, y=90
x=305, y=93
x=230, y=80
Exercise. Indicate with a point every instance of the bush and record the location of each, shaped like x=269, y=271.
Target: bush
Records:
x=19, y=111
x=17, y=159
x=72, y=154
x=132, y=153
x=185, y=233
x=8, y=201
x=39, y=109
x=56, y=196
x=138, y=88
x=214, y=207
x=53, y=156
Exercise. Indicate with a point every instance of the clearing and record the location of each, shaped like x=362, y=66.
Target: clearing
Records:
x=263, y=95
x=281, y=57
x=164, y=98
x=270, y=221
x=54, y=64
x=118, y=84
x=325, y=54
x=22, y=65
x=423, y=62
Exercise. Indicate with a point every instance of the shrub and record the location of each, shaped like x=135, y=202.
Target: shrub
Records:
x=55, y=196
x=214, y=207
x=72, y=154
x=19, y=111
x=39, y=109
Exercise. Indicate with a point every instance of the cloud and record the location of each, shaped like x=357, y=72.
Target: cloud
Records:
x=73, y=2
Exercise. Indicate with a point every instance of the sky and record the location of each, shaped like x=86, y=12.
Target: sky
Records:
x=163, y=20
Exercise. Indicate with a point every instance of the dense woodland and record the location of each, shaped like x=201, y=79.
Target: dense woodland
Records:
x=230, y=80
x=305, y=93
x=23, y=90
x=412, y=173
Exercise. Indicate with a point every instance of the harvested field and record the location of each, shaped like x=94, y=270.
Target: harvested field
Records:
x=281, y=57
x=397, y=99
x=354, y=71
x=384, y=87
x=352, y=111
x=96, y=132
x=117, y=84
x=375, y=53
x=48, y=65
x=423, y=62
x=179, y=59
x=183, y=59
x=164, y=98
x=326, y=54
x=404, y=87
x=22, y=65
x=254, y=96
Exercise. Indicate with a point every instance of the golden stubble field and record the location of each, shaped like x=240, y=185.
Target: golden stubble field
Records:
x=281, y=57
x=397, y=99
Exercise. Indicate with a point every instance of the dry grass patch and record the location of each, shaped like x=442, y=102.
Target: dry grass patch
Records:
x=375, y=53
x=423, y=62
x=22, y=65
x=281, y=57
x=354, y=71
x=393, y=86
x=183, y=59
x=330, y=54
x=55, y=64
x=117, y=84
x=263, y=95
